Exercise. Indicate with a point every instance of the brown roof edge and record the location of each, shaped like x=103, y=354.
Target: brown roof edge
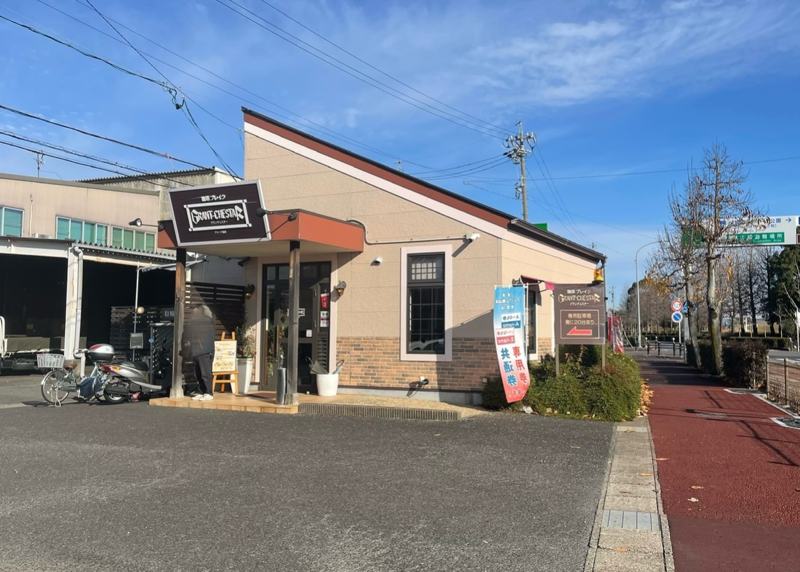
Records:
x=424, y=188
x=551, y=239
x=378, y=169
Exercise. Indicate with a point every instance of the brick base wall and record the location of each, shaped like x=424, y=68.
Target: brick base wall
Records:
x=375, y=362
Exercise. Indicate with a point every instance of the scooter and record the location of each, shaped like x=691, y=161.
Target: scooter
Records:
x=131, y=380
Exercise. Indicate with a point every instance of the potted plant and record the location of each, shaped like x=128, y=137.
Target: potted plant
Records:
x=245, y=353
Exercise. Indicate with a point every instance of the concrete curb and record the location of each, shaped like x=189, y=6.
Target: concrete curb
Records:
x=666, y=540
x=630, y=531
x=594, y=538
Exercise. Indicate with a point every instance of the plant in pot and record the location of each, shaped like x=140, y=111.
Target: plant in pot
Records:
x=246, y=354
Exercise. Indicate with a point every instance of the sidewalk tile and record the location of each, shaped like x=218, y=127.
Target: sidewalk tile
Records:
x=612, y=561
x=635, y=540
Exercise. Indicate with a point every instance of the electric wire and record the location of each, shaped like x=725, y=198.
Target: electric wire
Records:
x=498, y=162
x=557, y=196
x=302, y=120
x=456, y=167
x=101, y=137
x=184, y=106
x=66, y=159
x=497, y=128
x=95, y=158
x=402, y=97
x=169, y=88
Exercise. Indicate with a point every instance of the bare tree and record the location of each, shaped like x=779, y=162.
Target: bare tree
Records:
x=712, y=208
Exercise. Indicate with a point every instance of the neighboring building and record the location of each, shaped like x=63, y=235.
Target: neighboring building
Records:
x=164, y=181
x=55, y=235
x=420, y=270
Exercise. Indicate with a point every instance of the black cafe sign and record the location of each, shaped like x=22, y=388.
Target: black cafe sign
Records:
x=580, y=314
x=218, y=214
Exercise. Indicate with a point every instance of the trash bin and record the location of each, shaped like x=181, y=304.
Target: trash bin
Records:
x=327, y=384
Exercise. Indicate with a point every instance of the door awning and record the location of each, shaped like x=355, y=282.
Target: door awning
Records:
x=317, y=234
x=531, y=280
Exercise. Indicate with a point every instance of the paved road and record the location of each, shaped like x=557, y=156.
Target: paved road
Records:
x=135, y=487
x=744, y=470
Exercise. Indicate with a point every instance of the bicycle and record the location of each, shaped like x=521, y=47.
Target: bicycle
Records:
x=60, y=381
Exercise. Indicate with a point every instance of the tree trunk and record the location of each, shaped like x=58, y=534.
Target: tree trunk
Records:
x=751, y=287
x=691, y=317
x=714, y=328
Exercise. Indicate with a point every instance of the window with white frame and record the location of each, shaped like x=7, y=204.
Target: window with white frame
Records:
x=133, y=239
x=10, y=221
x=426, y=306
x=89, y=232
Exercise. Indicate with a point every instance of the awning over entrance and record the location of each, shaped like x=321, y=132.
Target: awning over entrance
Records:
x=544, y=284
x=316, y=233
x=231, y=221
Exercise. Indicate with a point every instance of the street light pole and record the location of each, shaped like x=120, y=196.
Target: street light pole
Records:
x=638, y=304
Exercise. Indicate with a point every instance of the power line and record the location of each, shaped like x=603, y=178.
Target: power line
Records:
x=685, y=169
x=184, y=106
x=488, y=159
x=302, y=120
x=102, y=137
x=60, y=158
x=399, y=95
x=554, y=190
x=498, y=162
x=497, y=128
x=169, y=88
x=92, y=158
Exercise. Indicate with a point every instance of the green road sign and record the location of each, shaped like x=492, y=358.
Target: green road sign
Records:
x=755, y=238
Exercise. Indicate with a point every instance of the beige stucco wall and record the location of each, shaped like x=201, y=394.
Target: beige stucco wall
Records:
x=371, y=304
x=114, y=207
x=555, y=267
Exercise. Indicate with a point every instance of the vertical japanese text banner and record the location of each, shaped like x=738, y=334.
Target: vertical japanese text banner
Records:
x=509, y=340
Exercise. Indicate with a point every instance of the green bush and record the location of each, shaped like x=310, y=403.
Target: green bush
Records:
x=706, y=355
x=494, y=395
x=588, y=356
x=690, y=357
x=610, y=394
x=745, y=363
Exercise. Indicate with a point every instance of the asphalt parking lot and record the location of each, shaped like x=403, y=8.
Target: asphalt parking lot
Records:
x=135, y=487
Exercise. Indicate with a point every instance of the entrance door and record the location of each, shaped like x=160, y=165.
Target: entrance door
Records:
x=314, y=321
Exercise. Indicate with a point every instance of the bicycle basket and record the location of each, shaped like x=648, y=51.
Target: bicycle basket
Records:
x=50, y=361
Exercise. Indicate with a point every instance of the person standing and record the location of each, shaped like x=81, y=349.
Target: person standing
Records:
x=200, y=345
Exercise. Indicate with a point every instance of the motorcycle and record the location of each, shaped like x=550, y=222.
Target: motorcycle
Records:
x=131, y=380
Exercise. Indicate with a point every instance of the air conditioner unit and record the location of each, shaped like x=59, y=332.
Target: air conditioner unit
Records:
x=41, y=235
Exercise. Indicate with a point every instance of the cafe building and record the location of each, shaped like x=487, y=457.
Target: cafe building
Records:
x=348, y=259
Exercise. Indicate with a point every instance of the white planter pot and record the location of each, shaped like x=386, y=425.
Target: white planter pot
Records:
x=327, y=384
x=244, y=373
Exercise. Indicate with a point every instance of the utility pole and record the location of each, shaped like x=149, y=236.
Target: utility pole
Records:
x=516, y=145
x=39, y=162
x=399, y=165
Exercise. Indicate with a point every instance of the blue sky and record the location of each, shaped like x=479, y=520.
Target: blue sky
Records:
x=609, y=87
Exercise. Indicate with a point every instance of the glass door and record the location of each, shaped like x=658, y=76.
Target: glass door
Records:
x=314, y=321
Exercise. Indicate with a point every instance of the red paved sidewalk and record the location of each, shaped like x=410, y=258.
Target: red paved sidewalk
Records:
x=745, y=469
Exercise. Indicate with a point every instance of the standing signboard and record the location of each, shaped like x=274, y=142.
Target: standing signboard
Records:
x=224, y=356
x=509, y=340
x=580, y=314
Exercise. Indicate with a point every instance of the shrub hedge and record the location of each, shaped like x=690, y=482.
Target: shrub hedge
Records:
x=744, y=363
x=582, y=390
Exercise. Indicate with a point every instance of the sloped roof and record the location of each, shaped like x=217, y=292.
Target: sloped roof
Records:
x=422, y=187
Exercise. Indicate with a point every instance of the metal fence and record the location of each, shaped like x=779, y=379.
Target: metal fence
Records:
x=658, y=348
x=783, y=383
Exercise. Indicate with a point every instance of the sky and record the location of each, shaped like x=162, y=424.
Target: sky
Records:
x=622, y=95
